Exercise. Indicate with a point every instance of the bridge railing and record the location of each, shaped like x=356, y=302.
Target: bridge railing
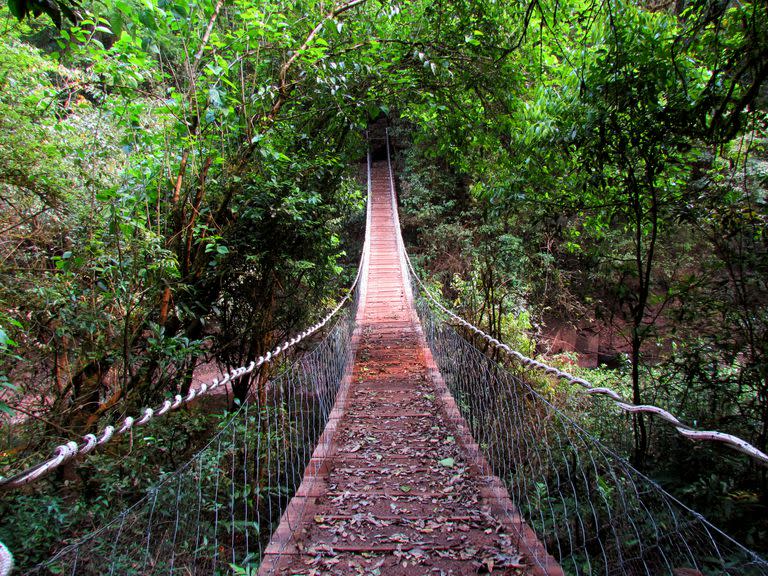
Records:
x=220, y=508
x=594, y=512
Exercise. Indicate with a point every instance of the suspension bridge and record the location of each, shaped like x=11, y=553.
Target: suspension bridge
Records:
x=398, y=447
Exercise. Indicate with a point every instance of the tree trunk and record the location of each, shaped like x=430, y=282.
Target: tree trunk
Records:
x=638, y=420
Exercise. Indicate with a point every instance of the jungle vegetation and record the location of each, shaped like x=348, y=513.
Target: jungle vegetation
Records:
x=179, y=182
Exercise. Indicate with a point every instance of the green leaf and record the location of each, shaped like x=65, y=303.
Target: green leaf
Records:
x=5, y=340
x=447, y=462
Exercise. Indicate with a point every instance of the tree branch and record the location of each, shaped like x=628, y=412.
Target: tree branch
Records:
x=284, y=87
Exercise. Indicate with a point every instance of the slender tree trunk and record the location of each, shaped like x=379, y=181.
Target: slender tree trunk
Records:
x=762, y=398
x=644, y=260
x=640, y=432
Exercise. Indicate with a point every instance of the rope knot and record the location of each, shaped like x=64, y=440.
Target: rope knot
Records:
x=148, y=412
x=127, y=425
x=165, y=408
x=66, y=451
x=6, y=560
x=106, y=435
x=90, y=443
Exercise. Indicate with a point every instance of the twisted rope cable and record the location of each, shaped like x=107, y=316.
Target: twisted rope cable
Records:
x=66, y=452
x=596, y=513
x=730, y=440
x=685, y=430
x=6, y=560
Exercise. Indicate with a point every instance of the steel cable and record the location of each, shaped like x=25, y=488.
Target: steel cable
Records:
x=729, y=440
x=66, y=452
x=219, y=509
x=594, y=512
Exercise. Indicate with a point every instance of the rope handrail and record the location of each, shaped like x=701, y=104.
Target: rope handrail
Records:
x=72, y=449
x=232, y=492
x=685, y=430
x=6, y=560
x=595, y=512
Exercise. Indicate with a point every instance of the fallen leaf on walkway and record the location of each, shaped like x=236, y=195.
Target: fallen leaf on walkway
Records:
x=322, y=550
x=399, y=537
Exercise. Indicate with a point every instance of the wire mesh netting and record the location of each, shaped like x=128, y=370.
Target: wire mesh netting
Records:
x=220, y=509
x=593, y=511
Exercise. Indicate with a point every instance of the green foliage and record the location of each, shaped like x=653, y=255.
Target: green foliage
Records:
x=179, y=176
x=153, y=207
x=7, y=344
x=612, y=171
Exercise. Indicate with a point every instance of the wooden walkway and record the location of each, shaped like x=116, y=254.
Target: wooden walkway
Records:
x=396, y=485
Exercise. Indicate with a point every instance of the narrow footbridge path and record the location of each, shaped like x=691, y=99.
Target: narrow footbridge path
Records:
x=397, y=485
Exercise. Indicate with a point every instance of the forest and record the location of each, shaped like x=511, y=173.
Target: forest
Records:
x=180, y=191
